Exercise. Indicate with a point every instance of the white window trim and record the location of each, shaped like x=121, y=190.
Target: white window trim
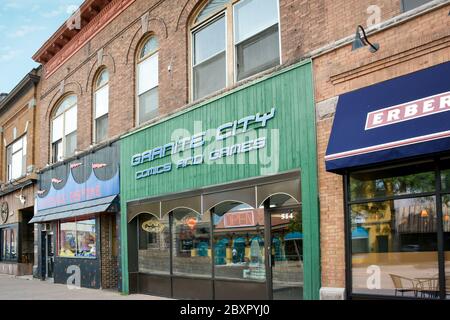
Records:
x=235, y=44
x=203, y=24
x=63, y=145
x=139, y=60
x=94, y=128
x=23, y=169
x=230, y=54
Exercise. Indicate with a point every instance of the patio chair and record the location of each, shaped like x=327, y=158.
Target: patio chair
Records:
x=403, y=284
x=428, y=288
x=447, y=285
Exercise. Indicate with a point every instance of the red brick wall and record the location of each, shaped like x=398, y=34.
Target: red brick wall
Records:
x=408, y=47
x=108, y=255
x=305, y=25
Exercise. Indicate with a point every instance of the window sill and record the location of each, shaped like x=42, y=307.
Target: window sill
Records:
x=78, y=258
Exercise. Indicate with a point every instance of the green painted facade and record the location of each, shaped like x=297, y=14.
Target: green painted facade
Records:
x=291, y=145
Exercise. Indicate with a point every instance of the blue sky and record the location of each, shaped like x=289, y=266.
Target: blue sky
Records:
x=24, y=26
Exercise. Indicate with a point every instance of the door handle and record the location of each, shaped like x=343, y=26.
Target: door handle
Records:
x=269, y=251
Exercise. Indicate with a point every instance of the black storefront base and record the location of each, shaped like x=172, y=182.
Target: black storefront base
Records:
x=89, y=271
x=180, y=287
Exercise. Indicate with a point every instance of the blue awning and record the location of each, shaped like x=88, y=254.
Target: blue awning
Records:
x=294, y=236
x=75, y=210
x=360, y=233
x=396, y=119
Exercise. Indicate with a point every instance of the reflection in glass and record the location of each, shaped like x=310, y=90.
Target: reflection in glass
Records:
x=78, y=239
x=191, y=243
x=287, y=255
x=445, y=178
x=68, y=234
x=86, y=239
x=8, y=238
x=209, y=61
x=392, y=182
x=154, y=244
x=446, y=227
x=239, y=242
x=394, y=247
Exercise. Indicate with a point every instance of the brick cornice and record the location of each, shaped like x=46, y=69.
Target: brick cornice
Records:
x=109, y=13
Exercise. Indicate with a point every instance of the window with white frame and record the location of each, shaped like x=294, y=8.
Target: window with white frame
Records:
x=231, y=41
x=16, y=158
x=209, y=64
x=101, y=106
x=148, y=80
x=64, y=129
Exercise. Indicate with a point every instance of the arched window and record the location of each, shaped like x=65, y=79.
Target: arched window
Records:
x=64, y=129
x=101, y=106
x=147, y=80
x=231, y=41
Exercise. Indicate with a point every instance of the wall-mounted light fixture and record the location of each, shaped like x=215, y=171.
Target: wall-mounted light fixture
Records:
x=362, y=41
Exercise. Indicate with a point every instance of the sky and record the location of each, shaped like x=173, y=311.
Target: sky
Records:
x=24, y=27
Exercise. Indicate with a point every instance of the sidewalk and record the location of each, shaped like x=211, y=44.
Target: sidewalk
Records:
x=27, y=288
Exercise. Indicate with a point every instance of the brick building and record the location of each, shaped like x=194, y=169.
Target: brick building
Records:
x=413, y=38
x=125, y=69
x=18, y=154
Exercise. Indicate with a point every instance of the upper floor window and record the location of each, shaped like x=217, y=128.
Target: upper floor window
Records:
x=412, y=4
x=16, y=158
x=101, y=106
x=231, y=41
x=147, y=80
x=64, y=129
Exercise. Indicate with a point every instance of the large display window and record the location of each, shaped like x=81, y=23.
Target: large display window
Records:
x=215, y=243
x=78, y=239
x=396, y=218
x=154, y=244
x=191, y=243
x=8, y=240
x=239, y=242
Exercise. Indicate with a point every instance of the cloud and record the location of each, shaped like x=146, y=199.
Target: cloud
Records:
x=24, y=30
x=66, y=10
x=71, y=9
x=51, y=14
x=8, y=54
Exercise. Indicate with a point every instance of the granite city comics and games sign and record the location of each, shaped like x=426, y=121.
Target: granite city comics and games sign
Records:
x=192, y=143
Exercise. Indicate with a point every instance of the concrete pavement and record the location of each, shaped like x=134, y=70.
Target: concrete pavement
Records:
x=27, y=288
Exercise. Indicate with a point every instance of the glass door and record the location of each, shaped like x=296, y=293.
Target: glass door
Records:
x=50, y=253
x=285, y=254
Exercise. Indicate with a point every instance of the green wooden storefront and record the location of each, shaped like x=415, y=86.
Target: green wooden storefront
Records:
x=290, y=146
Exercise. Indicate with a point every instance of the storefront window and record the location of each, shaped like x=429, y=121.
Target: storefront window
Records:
x=414, y=179
x=287, y=254
x=8, y=239
x=445, y=179
x=395, y=229
x=191, y=243
x=446, y=227
x=239, y=242
x=78, y=239
x=154, y=244
x=394, y=247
